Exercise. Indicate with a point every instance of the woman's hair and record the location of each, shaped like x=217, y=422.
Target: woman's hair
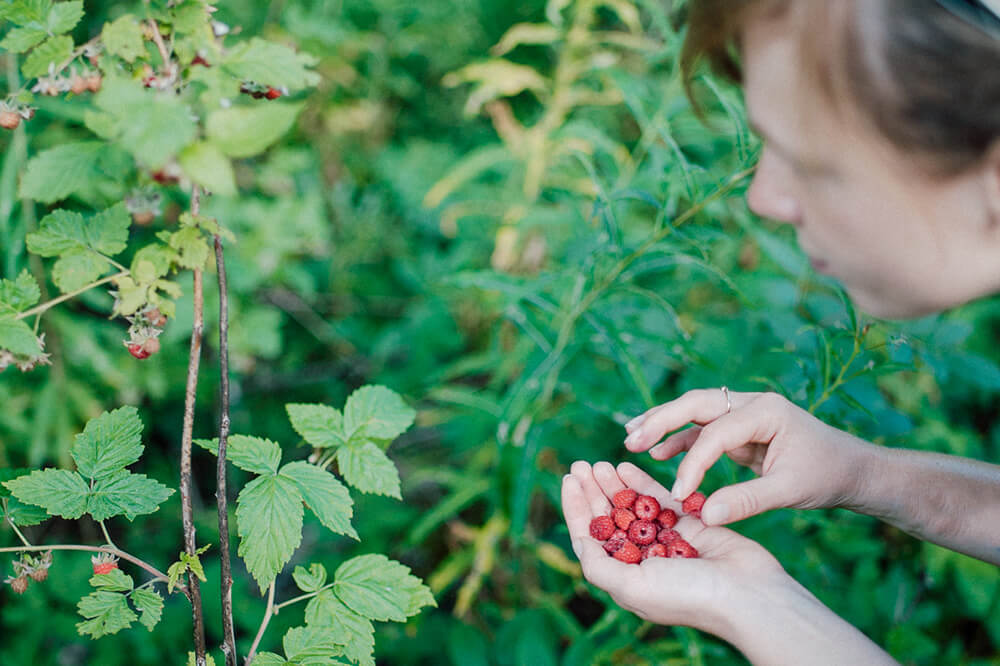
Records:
x=926, y=78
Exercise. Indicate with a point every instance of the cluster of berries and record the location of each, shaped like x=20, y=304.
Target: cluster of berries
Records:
x=29, y=567
x=638, y=528
x=144, y=333
x=260, y=90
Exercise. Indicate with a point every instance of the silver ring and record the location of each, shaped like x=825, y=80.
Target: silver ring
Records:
x=729, y=403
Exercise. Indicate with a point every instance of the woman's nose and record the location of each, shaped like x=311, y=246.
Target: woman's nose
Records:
x=768, y=194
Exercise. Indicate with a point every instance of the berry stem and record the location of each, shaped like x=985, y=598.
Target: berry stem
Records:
x=107, y=537
x=263, y=625
x=39, y=309
x=16, y=531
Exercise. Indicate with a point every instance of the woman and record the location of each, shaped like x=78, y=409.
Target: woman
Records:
x=881, y=146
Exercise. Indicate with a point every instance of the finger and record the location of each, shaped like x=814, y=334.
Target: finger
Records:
x=596, y=498
x=607, y=478
x=576, y=510
x=699, y=406
x=742, y=500
x=601, y=570
x=675, y=443
x=644, y=484
x=736, y=429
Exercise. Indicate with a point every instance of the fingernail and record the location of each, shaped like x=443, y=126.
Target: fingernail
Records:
x=636, y=422
x=678, y=492
x=715, y=514
x=634, y=437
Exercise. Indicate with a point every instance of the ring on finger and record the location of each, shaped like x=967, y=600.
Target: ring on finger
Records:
x=729, y=403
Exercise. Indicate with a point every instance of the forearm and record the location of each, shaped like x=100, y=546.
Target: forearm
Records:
x=948, y=500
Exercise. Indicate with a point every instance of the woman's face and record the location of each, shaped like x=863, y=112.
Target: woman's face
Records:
x=903, y=243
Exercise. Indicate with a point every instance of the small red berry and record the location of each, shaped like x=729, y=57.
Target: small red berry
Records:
x=629, y=553
x=624, y=499
x=615, y=542
x=623, y=518
x=681, y=548
x=666, y=535
x=104, y=568
x=692, y=505
x=138, y=351
x=646, y=507
x=143, y=217
x=602, y=527
x=19, y=584
x=10, y=119
x=39, y=575
x=655, y=550
x=272, y=93
x=198, y=60
x=642, y=532
x=667, y=518
x=94, y=82
x=151, y=346
x=78, y=85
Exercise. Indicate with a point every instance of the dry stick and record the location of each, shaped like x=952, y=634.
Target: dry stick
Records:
x=187, y=511
x=228, y=634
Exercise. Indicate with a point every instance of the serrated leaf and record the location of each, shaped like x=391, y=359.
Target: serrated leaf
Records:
x=17, y=337
x=20, y=40
x=269, y=521
x=245, y=131
x=8, y=473
x=109, y=443
x=63, y=231
x=209, y=659
x=21, y=293
x=53, y=51
x=150, y=606
x=58, y=491
x=24, y=12
x=377, y=412
x=319, y=425
x=251, y=454
x=268, y=659
x=25, y=515
x=375, y=586
x=367, y=468
x=107, y=613
x=191, y=246
x=205, y=164
x=123, y=37
x=126, y=494
x=115, y=580
x=310, y=580
x=355, y=632
x=324, y=495
x=77, y=268
x=270, y=63
x=304, y=643
x=64, y=16
x=58, y=172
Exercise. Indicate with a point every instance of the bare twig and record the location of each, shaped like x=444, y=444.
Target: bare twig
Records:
x=187, y=510
x=226, y=583
x=263, y=625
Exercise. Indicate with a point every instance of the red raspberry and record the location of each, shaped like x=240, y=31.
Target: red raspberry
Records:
x=655, y=550
x=693, y=504
x=39, y=575
x=642, y=532
x=646, y=507
x=623, y=518
x=615, y=542
x=104, y=568
x=10, y=120
x=624, y=499
x=602, y=527
x=681, y=548
x=666, y=535
x=151, y=346
x=138, y=351
x=629, y=553
x=667, y=518
x=19, y=584
x=272, y=93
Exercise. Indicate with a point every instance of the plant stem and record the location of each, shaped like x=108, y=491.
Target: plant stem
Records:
x=187, y=511
x=20, y=536
x=226, y=582
x=121, y=554
x=263, y=625
x=38, y=309
x=107, y=537
x=301, y=597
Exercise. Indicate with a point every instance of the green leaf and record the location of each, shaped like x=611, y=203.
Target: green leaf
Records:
x=355, y=632
x=20, y=40
x=311, y=580
x=64, y=16
x=191, y=246
x=115, y=580
x=123, y=37
x=324, y=494
x=210, y=660
x=377, y=412
x=319, y=425
x=63, y=231
x=367, y=468
x=25, y=515
x=77, y=268
x=376, y=587
x=20, y=294
x=270, y=64
x=53, y=51
x=245, y=131
x=251, y=454
x=269, y=520
x=205, y=164
x=17, y=337
x=107, y=613
x=302, y=643
x=56, y=173
x=126, y=494
x=109, y=443
x=150, y=606
x=269, y=659
x=58, y=491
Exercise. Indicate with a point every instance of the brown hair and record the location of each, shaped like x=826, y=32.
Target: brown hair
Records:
x=928, y=80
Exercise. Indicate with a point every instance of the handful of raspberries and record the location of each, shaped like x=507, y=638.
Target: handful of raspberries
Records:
x=638, y=528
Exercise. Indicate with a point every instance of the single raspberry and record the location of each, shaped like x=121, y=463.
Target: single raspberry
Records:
x=623, y=518
x=667, y=518
x=272, y=93
x=199, y=60
x=78, y=85
x=19, y=584
x=138, y=351
x=615, y=542
x=10, y=119
x=646, y=507
x=642, y=532
x=104, y=568
x=624, y=499
x=655, y=550
x=38, y=575
x=666, y=535
x=151, y=346
x=681, y=548
x=94, y=82
x=602, y=527
x=629, y=553
x=692, y=505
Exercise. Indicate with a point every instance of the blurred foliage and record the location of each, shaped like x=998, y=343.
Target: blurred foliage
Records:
x=507, y=212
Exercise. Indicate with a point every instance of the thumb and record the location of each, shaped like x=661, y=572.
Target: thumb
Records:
x=742, y=500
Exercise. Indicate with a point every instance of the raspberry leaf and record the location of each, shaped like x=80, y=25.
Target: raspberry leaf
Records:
x=115, y=580
x=58, y=491
x=205, y=164
x=63, y=16
x=126, y=494
x=324, y=495
x=377, y=413
x=109, y=443
x=353, y=631
x=305, y=645
x=19, y=294
x=269, y=521
x=18, y=338
x=270, y=64
x=379, y=588
x=106, y=612
x=263, y=659
x=21, y=514
x=56, y=173
x=245, y=131
x=20, y=40
x=319, y=425
x=55, y=50
x=367, y=468
x=123, y=38
x=150, y=606
x=311, y=580
x=251, y=454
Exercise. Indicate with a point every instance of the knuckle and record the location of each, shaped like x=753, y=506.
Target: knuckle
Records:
x=772, y=402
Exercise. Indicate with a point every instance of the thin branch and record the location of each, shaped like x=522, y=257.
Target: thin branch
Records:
x=38, y=309
x=187, y=510
x=20, y=536
x=107, y=537
x=226, y=582
x=263, y=625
